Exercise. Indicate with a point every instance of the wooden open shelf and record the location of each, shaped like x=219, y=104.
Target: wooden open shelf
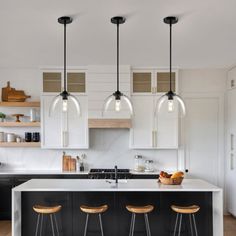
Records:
x=109, y=123
x=19, y=124
x=22, y=144
x=19, y=104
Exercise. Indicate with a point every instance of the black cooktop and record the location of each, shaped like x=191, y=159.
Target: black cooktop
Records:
x=108, y=170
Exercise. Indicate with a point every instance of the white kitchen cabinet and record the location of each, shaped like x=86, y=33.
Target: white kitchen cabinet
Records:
x=64, y=130
x=141, y=134
x=150, y=132
x=231, y=152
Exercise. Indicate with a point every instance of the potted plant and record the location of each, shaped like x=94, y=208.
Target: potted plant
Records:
x=2, y=117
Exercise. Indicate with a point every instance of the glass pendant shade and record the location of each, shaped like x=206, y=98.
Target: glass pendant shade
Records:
x=171, y=100
x=64, y=98
x=171, y=104
x=64, y=103
x=117, y=101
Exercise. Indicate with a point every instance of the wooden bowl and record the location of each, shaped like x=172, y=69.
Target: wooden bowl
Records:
x=169, y=181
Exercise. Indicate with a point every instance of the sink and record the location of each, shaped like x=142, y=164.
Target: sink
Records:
x=120, y=181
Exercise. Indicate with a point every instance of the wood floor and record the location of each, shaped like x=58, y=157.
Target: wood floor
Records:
x=229, y=227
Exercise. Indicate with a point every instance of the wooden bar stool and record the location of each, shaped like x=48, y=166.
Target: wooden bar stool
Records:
x=139, y=210
x=186, y=210
x=46, y=211
x=93, y=210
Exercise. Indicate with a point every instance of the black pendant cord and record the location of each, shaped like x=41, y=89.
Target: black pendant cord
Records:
x=65, y=84
x=170, y=56
x=117, y=62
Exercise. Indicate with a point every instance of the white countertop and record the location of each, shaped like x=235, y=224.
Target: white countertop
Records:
x=60, y=172
x=134, y=185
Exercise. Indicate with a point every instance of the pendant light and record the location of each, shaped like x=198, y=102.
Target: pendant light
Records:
x=64, y=97
x=170, y=97
x=117, y=97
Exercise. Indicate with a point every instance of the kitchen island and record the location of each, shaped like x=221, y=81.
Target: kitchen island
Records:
x=73, y=193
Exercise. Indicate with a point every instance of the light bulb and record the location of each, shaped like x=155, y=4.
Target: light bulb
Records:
x=170, y=105
x=64, y=105
x=117, y=105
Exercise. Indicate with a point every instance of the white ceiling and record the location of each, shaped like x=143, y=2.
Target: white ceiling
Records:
x=204, y=37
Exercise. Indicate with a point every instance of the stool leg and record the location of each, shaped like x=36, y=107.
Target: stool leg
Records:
x=86, y=225
x=147, y=225
x=52, y=225
x=41, y=225
x=100, y=220
x=131, y=224
x=195, y=227
x=132, y=233
x=191, y=224
x=176, y=223
x=180, y=221
x=37, y=225
x=55, y=219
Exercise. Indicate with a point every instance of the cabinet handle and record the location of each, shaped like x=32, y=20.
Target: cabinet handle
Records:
x=232, y=161
x=154, y=139
x=231, y=142
x=232, y=83
x=64, y=138
x=154, y=90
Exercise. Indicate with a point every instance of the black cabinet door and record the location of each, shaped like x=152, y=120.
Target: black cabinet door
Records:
x=6, y=185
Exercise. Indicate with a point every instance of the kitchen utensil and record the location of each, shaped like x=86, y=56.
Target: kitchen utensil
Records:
x=12, y=95
x=18, y=139
x=2, y=137
x=149, y=166
x=28, y=137
x=11, y=137
x=33, y=115
x=139, y=164
x=18, y=117
x=36, y=137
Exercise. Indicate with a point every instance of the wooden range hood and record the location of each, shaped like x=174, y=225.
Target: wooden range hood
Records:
x=109, y=123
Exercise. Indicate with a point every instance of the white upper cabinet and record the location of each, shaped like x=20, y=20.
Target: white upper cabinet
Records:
x=101, y=83
x=150, y=131
x=64, y=130
x=231, y=80
x=51, y=133
x=141, y=134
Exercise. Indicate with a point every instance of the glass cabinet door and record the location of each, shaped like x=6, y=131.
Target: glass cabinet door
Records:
x=51, y=82
x=76, y=82
x=142, y=82
x=163, y=82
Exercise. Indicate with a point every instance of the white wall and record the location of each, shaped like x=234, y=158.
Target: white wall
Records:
x=110, y=147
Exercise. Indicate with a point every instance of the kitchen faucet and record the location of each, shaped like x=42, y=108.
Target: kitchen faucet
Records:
x=116, y=175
